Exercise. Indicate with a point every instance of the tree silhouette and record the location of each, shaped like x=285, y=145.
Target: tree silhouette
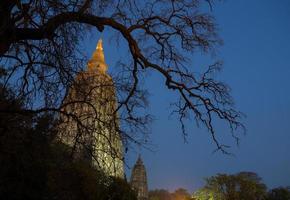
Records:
x=243, y=185
x=40, y=42
x=280, y=193
x=34, y=166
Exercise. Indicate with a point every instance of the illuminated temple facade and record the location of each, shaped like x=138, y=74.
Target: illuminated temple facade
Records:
x=94, y=132
x=139, y=180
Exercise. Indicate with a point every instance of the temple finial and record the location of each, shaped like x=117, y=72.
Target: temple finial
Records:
x=97, y=62
x=139, y=159
x=100, y=44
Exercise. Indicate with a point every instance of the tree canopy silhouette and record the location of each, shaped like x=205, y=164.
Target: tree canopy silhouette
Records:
x=162, y=194
x=279, y=193
x=35, y=166
x=40, y=43
x=243, y=185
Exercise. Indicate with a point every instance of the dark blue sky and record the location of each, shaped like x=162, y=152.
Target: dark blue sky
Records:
x=256, y=55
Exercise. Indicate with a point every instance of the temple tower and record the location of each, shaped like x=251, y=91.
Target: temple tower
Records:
x=94, y=131
x=139, y=180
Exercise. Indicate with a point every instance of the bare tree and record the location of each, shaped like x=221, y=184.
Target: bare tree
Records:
x=40, y=53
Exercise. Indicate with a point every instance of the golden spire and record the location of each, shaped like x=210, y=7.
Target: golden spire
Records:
x=97, y=62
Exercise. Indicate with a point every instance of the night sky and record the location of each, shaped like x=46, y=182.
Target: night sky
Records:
x=256, y=55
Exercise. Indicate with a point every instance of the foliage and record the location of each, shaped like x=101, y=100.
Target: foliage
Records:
x=161, y=194
x=244, y=185
x=181, y=194
x=207, y=194
x=41, y=51
x=120, y=190
x=280, y=193
x=34, y=166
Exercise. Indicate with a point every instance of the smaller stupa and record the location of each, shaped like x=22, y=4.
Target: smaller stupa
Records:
x=139, y=180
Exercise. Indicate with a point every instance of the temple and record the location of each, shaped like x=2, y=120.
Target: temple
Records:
x=139, y=180
x=90, y=123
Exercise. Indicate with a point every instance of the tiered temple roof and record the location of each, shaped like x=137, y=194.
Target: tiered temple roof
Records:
x=139, y=180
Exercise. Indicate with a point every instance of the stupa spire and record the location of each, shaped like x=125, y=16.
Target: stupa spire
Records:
x=97, y=62
x=139, y=160
x=139, y=179
x=100, y=44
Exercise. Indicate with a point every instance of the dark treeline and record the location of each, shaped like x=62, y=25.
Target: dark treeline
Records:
x=240, y=186
x=33, y=165
x=162, y=194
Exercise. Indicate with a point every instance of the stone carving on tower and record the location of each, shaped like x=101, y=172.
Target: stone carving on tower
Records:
x=139, y=180
x=94, y=132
